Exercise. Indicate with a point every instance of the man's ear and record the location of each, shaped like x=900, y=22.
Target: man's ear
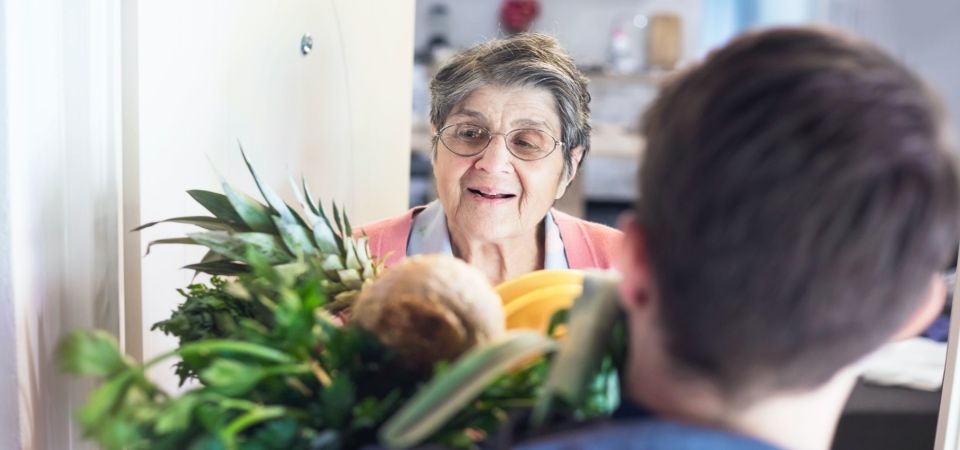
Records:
x=932, y=307
x=636, y=290
x=575, y=156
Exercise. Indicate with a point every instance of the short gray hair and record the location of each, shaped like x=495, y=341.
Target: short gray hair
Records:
x=525, y=59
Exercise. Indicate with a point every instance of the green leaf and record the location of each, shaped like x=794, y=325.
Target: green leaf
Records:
x=219, y=205
x=186, y=241
x=350, y=246
x=229, y=347
x=231, y=378
x=331, y=262
x=322, y=233
x=307, y=196
x=94, y=353
x=338, y=235
x=234, y=246
x=350, y=278
x=325, y=238
x=348, y=234
x=255, y=214
x=277, y=434
x=352, y=262
x=225, y=244
x=337, y=400
x=212, y=256
x=450, y=392
x=218, y=268
x=104, y=400
x=371, y=412
x=207, y=442
x=337, y=218
x=209, y=223
x=328, y=233
x=118, y=433
x=269, y=195
x=257, y=415
x=308, y=209
x=295, y=237
x=177, y=415
x=362, y=244
x=558, y=318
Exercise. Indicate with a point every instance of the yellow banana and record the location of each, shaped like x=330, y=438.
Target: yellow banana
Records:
x=511, y=289
x=534, y=309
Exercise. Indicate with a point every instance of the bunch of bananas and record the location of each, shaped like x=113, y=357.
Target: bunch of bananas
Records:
x=530, y=300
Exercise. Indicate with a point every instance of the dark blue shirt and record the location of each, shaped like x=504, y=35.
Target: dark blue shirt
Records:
x=649, y=434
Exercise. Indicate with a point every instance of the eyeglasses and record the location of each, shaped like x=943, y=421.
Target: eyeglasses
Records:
x=527, y=144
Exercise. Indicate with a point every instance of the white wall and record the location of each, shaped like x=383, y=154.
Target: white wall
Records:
x=212, y=73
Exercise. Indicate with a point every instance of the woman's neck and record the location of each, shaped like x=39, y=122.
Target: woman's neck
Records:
x=504, y=259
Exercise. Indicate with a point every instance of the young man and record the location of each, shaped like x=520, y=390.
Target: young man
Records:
x=797, y=202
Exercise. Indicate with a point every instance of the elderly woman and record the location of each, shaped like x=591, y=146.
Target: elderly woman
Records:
x=511, y=127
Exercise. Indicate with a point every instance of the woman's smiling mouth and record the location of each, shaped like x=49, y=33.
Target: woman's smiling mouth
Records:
x=488, y=194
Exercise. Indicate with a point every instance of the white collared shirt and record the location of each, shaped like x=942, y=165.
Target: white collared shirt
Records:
x=429, y=234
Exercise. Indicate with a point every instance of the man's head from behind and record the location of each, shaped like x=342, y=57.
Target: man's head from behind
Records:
x=796, y=202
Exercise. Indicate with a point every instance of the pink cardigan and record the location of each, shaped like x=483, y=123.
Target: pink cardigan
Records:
x=588, y=245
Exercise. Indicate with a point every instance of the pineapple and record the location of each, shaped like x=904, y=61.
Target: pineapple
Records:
x=278, y=233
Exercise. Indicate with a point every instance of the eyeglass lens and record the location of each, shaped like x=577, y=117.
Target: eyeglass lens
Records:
x=469, y=140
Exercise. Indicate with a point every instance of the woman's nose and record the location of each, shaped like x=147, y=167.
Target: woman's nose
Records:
x=495, y=158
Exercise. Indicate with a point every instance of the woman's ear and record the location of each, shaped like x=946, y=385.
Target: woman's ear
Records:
x=576, y=154
x=924, y=315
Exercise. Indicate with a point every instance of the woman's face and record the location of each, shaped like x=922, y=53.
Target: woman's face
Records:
x=495, y=195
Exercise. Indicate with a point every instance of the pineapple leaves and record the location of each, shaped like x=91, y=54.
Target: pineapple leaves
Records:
x=308, y=197
x=234, y=246
x=219, y=205
x=346, y=225
x=336, y=218
x=363, y=254
x=295, y=237
x=272, y=198
x=208, y=223
x=278, y=233
x=169, y=241
x=218, y=267
x=255, y=214
x=323, y=235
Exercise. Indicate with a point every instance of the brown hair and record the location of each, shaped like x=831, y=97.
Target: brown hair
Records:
x=797, y=196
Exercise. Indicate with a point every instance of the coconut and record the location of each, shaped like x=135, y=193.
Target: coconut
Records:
x=430, y=308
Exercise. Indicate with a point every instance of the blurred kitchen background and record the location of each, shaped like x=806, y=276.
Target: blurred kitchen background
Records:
x=626, y=47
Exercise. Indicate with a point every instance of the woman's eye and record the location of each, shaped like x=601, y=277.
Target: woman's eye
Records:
x=523, y=144
x=470, y=133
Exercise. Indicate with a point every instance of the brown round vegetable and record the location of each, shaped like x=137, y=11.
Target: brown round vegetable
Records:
x=430, y=308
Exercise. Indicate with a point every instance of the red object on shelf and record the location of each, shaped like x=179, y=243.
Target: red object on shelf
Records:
x=517, y=15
